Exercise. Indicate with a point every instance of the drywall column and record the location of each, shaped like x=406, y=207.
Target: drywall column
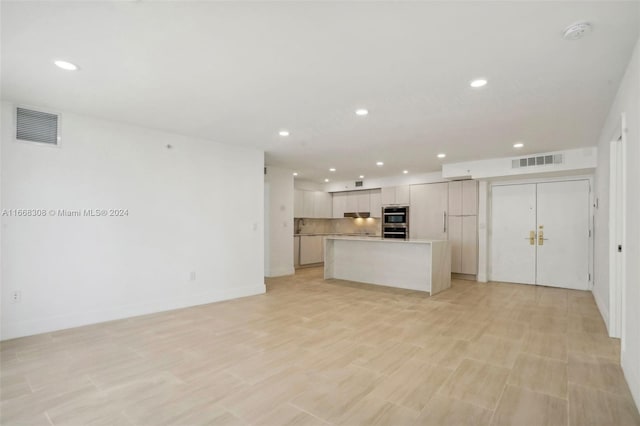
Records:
x=483, y=236
x=279, y=229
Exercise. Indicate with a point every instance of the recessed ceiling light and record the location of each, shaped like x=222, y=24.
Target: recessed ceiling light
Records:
x=518, y=145
x=283, y=133
x=68, y=66
x=442, y=155
x=478, y=83
x=326, y=180
x=295, y=173
x=379, y=163
x=361, y=176
x=405, y=171
x=332, y=169
x=362, y=111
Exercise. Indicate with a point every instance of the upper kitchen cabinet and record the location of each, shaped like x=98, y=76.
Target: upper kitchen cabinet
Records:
x=308, y=203
x=339, y=204
x=396, y=195
x=351, y=202
x=312, y=204
x=363, y=201
x=322, y=207
x=463, y=198
x=375, y=203
x=298, y=203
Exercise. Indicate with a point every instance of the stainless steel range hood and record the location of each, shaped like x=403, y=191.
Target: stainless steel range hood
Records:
x=358, y=214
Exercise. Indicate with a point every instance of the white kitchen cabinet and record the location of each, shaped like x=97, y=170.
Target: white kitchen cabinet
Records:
x=403, y=195
x=296, y=251
x=375, y=203
x=312, y=204
x=463, y=236
x=396, y=195
x=469, y=246
x=322, y=207
x=455, y=240
x=388, y=195
x=311, y=249
x=463, y=226
x=463, y=198
x=469, y=197
x=455, y=198
x=298, y=203
x=339, y=201
x=428, y=211
x=308, y=203
x=352, y=202
x=363, y=201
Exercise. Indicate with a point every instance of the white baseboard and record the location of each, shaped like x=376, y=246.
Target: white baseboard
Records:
x=279, y=272
x=633, y=380
x=12, y=330
x=603, y=308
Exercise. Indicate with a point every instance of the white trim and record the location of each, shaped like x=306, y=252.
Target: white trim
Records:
x=13, y=330
x=632, y=381
x=279, y=272
x=603, y=308
x=617, y=178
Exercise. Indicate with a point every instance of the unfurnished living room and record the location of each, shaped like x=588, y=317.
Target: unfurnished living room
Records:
x=297, y=213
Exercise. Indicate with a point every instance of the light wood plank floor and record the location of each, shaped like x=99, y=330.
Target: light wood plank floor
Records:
x=331, y=352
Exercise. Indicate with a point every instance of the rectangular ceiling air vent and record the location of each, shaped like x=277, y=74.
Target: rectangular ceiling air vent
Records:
x=36, y=126
x=539, y=160
x=358, y=183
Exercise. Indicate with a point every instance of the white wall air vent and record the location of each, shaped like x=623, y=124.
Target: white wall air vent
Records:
x=359, y=183
x=37, y=126
x=539, y=160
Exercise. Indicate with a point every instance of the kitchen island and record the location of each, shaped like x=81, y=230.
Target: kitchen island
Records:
x=423, y=265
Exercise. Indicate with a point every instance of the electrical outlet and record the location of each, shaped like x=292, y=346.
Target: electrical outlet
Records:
x=16, y=296
x=192, y=276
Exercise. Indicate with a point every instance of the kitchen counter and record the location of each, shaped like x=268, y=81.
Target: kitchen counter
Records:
x=422, y=265
x=337, y=234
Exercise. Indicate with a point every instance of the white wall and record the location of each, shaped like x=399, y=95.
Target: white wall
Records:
x=279, y=222
x=410, y=179
x=627, y=101
x=195, y=207
x=307, y=185
x=581, y=160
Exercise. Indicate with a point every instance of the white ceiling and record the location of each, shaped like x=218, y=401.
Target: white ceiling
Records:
x=238, y=72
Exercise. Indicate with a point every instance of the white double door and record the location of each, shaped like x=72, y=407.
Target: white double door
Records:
x=540, y=234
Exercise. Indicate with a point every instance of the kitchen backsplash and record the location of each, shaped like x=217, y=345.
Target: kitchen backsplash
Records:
x=337, y=226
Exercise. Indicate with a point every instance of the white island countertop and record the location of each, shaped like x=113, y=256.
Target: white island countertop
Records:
x=415, y=264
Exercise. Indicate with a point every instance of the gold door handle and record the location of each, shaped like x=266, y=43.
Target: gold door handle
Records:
x=541, y=238
x=532, y=238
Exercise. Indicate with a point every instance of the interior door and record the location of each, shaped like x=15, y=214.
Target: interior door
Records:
x=563, y=234
x=513, y=223
x=428, y=212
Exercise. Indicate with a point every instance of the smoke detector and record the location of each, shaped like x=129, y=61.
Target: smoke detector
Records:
x=577, y=31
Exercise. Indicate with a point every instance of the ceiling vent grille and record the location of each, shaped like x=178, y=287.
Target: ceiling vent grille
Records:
x=36, y=126
x=359, y=183
x=539, y=160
